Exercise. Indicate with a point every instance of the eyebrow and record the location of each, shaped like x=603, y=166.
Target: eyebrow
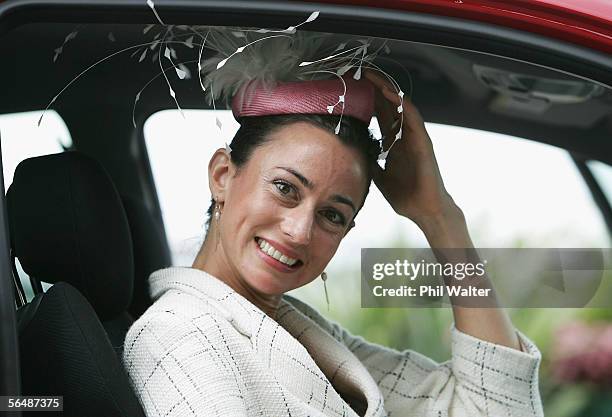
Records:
x=308, y=184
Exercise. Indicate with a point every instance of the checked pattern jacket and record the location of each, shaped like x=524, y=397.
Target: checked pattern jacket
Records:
x=204, y=350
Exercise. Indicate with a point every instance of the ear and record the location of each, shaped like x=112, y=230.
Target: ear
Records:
x=220, y=171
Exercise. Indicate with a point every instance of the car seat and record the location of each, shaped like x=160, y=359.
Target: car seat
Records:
x=68, y=227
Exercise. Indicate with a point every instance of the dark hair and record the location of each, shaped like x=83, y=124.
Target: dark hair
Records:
x=256, y=131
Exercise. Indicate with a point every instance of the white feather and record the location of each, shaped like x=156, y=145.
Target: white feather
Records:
x=270, y=58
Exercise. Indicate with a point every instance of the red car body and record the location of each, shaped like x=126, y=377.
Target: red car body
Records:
x=583, y=22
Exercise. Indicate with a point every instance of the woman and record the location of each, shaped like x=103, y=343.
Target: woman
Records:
x=222, y=339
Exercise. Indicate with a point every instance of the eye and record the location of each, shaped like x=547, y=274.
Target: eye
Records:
x=334, y=217
x=283, y=187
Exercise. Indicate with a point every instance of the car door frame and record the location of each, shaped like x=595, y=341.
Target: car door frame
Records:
x=425, y=28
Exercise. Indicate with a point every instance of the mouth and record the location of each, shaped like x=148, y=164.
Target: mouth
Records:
x=276, y=258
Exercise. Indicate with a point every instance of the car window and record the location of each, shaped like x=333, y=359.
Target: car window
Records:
x=514, y=192
x=22, y=138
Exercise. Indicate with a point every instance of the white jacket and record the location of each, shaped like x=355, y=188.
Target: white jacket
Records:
x=204, y=350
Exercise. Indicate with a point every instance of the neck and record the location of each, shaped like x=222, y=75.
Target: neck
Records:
x=211, y=259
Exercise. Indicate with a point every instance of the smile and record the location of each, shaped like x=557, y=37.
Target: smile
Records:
x=267, y=248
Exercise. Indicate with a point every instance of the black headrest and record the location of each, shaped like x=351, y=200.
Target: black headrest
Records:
x=67, y=224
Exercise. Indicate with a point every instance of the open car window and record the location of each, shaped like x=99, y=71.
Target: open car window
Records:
x=22, y=139
x=514, y=192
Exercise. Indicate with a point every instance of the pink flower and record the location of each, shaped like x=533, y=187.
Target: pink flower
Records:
x=583, y=352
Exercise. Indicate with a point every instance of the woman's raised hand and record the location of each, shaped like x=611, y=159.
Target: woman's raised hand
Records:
x=411, y=181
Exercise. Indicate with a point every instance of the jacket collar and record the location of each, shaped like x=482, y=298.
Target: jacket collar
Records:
x=240, y=312
x=292, y=332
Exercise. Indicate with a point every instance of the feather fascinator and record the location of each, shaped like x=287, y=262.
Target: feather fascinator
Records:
x=267, y=71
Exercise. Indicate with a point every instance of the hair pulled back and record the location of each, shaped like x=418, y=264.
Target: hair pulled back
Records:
x=257, y=131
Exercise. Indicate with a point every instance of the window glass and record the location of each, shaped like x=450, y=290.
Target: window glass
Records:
x=22, y=138
x=179, y=150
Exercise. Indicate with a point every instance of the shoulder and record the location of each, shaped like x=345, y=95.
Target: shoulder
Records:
x=174, y=318
x=353, y=342
x=172, y=358
x=329, y=326
x=306, y=309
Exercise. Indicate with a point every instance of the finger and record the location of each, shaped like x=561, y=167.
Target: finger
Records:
x=385, y=117
x=378, y=80
x=414, y=135
x=400, y=110
x=395, y=118
x=386, y=111
x=382, y=84
x=409, y=109
x=386, y=87
x=412, y=116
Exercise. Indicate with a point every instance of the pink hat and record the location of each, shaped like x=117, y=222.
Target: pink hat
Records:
x=307, y=97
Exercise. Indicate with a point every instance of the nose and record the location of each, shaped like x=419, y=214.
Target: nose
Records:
x=297, y=224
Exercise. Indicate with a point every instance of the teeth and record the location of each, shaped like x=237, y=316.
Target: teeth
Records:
x=275, y=253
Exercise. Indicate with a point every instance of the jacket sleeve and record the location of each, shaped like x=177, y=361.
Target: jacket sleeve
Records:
x=175, y=371
x=480, y=379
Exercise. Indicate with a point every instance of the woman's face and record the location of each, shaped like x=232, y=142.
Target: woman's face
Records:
x=289, y=207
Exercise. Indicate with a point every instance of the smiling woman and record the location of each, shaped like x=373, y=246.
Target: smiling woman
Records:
x=304, y=185
x=224, y=335
x=224, y=329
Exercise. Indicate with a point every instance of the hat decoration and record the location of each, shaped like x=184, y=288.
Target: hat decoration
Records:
x=263, y=71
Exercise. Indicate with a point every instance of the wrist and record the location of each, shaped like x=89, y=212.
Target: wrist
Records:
x=449, y=214
x=446, y=229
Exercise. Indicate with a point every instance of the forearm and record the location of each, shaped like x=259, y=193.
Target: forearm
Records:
x=449, y=231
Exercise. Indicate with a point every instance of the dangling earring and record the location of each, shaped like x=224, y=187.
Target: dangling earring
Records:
x=217, y=226
x=324, y=278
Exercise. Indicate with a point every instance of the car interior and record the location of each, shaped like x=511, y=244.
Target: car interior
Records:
x=88, y=221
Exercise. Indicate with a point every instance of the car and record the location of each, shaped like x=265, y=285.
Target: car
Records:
x=538, y=72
